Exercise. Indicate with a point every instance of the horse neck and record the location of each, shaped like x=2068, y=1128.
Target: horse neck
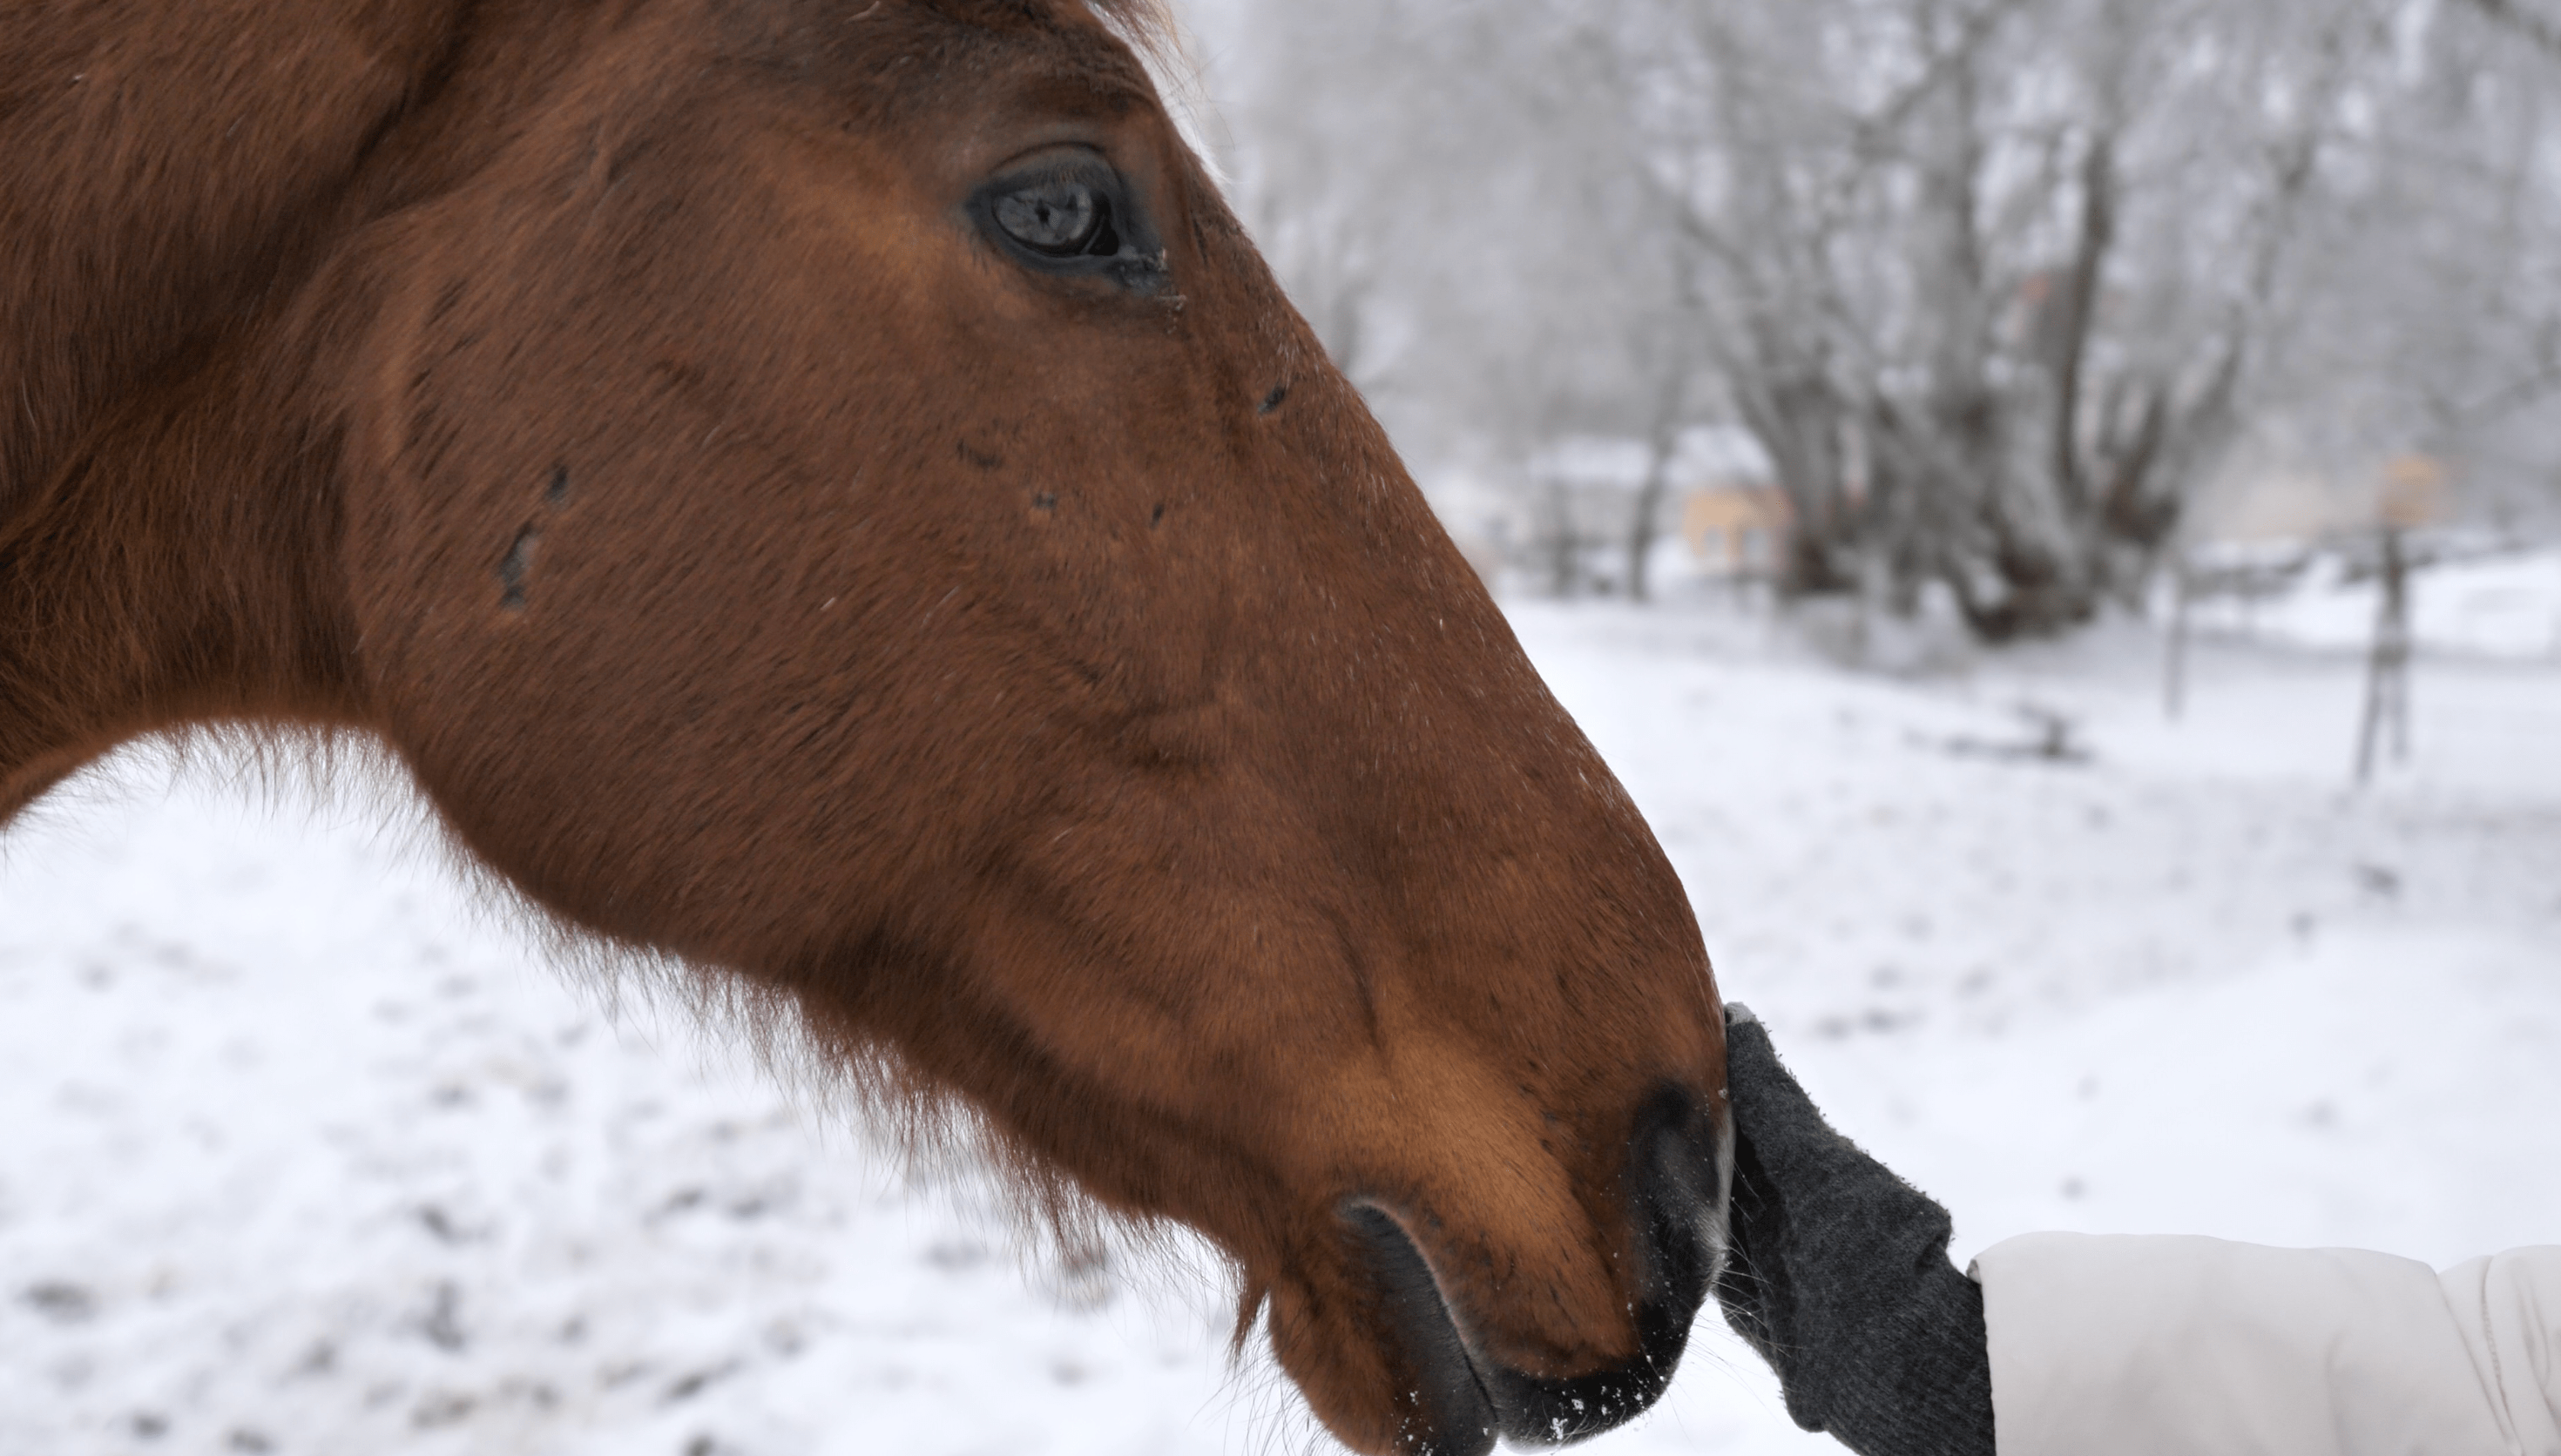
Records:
x=180, y=568
x=165, y=167
x=174, y=178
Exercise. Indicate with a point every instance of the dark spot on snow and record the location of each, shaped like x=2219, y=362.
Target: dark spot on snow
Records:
x=514, y=568
x=2379, y=881
x=556, y=490
x=441, y=1224
x=785, y=1338
x=1874, y=1021
x=689, y=1386
x=254, y=1442
x=442, y=1324
x=1081, y=1281
x=2053, y=738
x=440, y=1408
x=62, y=1302
x=2073, y=1187
x=148, y=1425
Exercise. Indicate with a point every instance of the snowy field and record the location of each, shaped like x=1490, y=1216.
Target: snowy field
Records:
x=300, y=1152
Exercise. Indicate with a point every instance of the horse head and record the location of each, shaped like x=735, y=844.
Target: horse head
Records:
x=825, y=490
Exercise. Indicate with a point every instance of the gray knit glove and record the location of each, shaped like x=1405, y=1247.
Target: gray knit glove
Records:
x=1838, y=1276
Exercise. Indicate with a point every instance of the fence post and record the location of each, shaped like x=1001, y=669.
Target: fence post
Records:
x=2387, y=668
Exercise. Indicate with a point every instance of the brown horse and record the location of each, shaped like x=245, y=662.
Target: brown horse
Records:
x=824, y=491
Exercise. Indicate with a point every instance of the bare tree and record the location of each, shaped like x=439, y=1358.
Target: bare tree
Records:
x=1994, y=283
x=1951, y=253
x=2448, y=240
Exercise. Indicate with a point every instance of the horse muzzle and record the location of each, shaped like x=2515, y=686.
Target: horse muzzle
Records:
x=1462, y=1398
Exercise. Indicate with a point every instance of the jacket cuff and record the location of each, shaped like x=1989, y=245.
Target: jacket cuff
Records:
x=2103, y=1345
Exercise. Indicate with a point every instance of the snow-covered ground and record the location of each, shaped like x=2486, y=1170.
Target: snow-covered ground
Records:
x=302, y=1153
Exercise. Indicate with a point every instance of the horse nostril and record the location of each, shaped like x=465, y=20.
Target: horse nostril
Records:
x=1677, y=1185
x=1674, y=1199
x=1459, y=1397
x=1449, y=1413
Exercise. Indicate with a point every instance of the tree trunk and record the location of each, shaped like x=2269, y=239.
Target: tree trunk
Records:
x=1661, y=442
x=2174, y=652
x=1564, y=544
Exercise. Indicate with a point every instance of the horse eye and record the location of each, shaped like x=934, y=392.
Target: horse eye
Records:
x=1071, y=216
x=1060, y=219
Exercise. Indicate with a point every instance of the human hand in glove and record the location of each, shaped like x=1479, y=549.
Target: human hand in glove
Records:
x=1838, y=1276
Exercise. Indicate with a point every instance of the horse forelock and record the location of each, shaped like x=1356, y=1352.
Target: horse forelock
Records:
x=1152, y=35
x=1146, y=21
x=1151, y=29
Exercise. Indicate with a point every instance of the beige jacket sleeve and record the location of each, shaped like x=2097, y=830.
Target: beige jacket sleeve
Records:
x=2120, y=1346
